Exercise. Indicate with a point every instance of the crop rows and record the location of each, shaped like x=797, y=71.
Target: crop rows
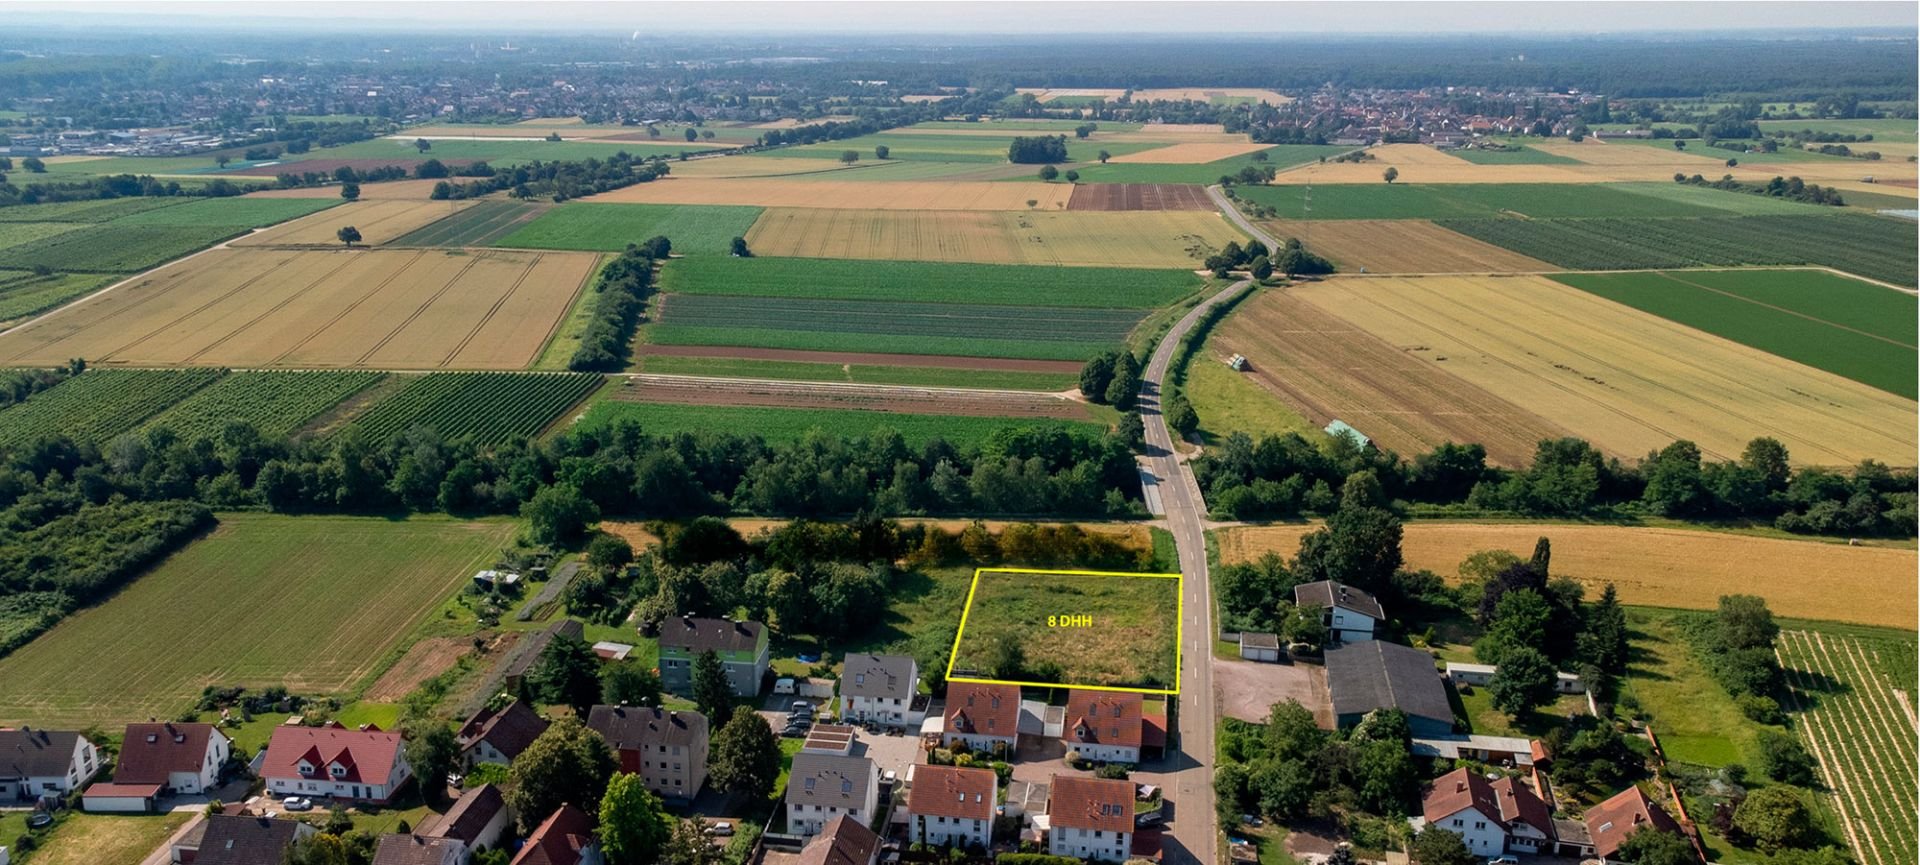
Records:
x=95, y=210
x=478, y=225
x=1870, y=246
x=23, y=293
x=100, y=404
x=893, y=281
x=1864, y=733
x=1054, y=333
x=115, y=248
x=274, y=403
x=489, y=408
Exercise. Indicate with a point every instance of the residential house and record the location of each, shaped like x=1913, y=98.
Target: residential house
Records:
x=742, y=648
x=844, y=841
x=420, y=850
x=565, y=838
x=241, y=840
x=181, y=758
x=1376, y=674
x=362, y=765
x=1481, y=675
x=478, y=819
x=668, y=750
x=36, y=763
x=951, y=806
x=1611, y=823
x=1351, y=615
x=1492, y=817
x=880, y=689
x=1090, y=818
x=1104, y=726
x=499, y=735
x=984, y=717
x=824, y=786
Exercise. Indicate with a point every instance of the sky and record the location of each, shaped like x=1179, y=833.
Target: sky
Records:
x=1092, y=17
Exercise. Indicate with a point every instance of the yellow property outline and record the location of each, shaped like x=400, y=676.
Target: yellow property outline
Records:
x=1179, y=623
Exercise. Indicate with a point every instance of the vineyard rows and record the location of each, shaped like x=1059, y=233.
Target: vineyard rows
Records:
x=489, y=408
x=100, y=404
x=274, y=403
x=1873, y=247
x=1864, y=732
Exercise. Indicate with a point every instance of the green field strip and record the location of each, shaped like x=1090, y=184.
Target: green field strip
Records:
x=1278, y=157
x=14, y=235
x=793, y=424
x=1463, y=200
x=877, y=343
x=28, y=293
x=241, y=212
x=1730, y=201
x=888, y=281
x=923, y=376
x=479, y=225
x=1050, y=333
x=491, y=408
x=1523, y=156
x=96, y=210
x=695, y=229
x=114, y=248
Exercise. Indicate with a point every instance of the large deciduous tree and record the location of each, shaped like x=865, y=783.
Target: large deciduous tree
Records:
x=632, y=827
x=745, y=756
x=567, y=763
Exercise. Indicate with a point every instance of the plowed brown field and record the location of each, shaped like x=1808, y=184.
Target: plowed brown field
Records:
x=1164, y=239
x=1139, y=196
x=879, y=195
x=1403, y=246
x=1327, y=368
x=377, y=221
x=424, y=309
x=1625, y=380
x=1663, y=567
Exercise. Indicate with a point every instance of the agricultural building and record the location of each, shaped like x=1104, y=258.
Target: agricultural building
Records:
x=1104, y=726
x=741, y=646
x=667, y=749
x=952, y=806
x=1090, y=818
x=1492, y=817
x=35, y=763
x=1481, y=675
x=1260, y=647
x=984, y=717
x=823, y=787
x=499, y=735
x=1376, y=674
x=882, y=689
x=181, y=758
x=1349, y=614
x=357, y=765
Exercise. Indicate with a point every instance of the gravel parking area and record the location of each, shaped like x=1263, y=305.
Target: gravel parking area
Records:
x=1248, y=689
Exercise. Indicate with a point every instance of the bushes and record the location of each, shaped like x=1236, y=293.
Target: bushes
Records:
x=72, y=560
x=1038, y=149
x=621, y=295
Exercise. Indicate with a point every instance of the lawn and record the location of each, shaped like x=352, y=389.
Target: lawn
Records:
x=1072, y=629
x=1279, y=157
x=1847, y=327
x=312, y=603
x=1694, y=718
x=791, y=370
x=1459, y=200
x=694, y=229
x=844, y=279
x=101, y=839
x=1229, y=402
x=792, y=424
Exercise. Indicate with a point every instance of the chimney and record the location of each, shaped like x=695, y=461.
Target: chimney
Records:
x=1459, y=786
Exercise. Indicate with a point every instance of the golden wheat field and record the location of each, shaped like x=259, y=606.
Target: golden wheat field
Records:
x=377, y=221
x=1191, y=153
x=1079, y=238
x=852, y=195
x=1662, y=567
x=1628, y=381
x=385, y=309
x=1403, y=246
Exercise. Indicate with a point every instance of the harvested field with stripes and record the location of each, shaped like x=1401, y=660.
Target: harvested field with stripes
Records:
x=378, y=222
x=479, y=225
x=1139, y=196
x=1402, y=246
x=385, y=309
x=849, y=195
x=1852, y=698
x=702, y=390
x=1168, y=239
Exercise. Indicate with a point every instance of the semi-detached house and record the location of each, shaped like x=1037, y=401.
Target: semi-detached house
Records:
x=1104, y=726
x=1493, y=817
x=36, y=763
x=741, y=646
x=951, y=806
x=362, y=765
x=983, y=717
x=880, y=689
x=1090, y=818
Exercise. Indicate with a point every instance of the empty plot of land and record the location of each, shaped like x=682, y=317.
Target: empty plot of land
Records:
x=377, y=221
x=1403, y=246
x=1625, y=380
x=1072, y=629
x=270, y=307
x=1166, y=239
x=1327, y=368
x=891, y=195
x=1662, y=567
x=703, y=390
x=1139, y=196
x=1187, y=153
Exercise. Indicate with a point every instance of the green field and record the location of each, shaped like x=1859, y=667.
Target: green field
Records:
x=1731, y=201
x=23, y=293
x=792, y=424
x=497, y=152
x=14, y=235
x=245, y=212
x=1787, y=153
x=1279, y=156
x=1855, y=329
x=479, y=225
x=988, y=149
x=491, y=408
x=1871, y=246
x=789, y=370
x=313, y=603
x=99, y=210
x=1465, y=200
x=1028, y=124
x=839, y=279
x=977, y=330
x=274, y=403
x=695, y=229
x=1128, y=640
x=1524, y=156
x=98, y=405
x=115, y=248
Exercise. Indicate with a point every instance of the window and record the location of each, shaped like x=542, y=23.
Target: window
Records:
x=1457, y=822
x=1479, y=824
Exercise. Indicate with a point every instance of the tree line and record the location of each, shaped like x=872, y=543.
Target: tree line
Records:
x=1792, y=189
x=620, y=297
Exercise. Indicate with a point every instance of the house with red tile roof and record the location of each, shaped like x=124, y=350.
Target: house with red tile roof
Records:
x=952, y=806
x=844, y=841
x=420, y=850
x=499, y=735
x=984, y=717
x=479, y=818
x=1493, y=817
x=359, y=765
x=182, y=758
x=1612, y=822
x=1104, y=726
x=566, y=838
x=1090, y=818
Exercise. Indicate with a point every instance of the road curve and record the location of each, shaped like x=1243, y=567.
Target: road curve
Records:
x=1239, y=219
x=1191, y=837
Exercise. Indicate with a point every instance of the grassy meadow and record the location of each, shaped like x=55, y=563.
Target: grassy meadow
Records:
x=694, y=229
x=1130, y=640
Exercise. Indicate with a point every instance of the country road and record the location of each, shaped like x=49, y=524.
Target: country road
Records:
x=1233, y=213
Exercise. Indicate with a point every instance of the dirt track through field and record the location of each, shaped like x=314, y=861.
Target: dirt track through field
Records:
x=1139, y=196
x=702, y=390
x=997, y=364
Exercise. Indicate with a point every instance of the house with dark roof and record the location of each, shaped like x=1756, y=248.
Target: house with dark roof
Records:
x=952, y=806
x=1104, y=726
x=420, y=850
x=668, y=750
x=1611, y=823
x=242, y=840
x=1493, y=817
x=1090, y=818
x=36, y=763
x=983, y=717
x=499, y=735
x=479, y=818
x=844, y=841
x=181, y=758
x=361, y=765
x=824, y=786
x=743, y=649
x=565, y=838
x=880, y=689
x=1351, y=615
x=1376, y=674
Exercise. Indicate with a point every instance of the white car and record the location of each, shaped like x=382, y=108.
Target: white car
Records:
x=721, y=829
x=297, y=803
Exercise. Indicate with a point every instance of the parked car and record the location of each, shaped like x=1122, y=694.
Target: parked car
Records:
x=1503, y=860
x=721, y=829
x=297, y=803
x=800, y=706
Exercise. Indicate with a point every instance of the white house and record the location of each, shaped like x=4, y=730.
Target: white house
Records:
x=1090, y=818
x=1492, y=817
x=1480, y=675
x=953, y=807
x=1104, y=726
x=499, y=735
x=479, y=818
x=880, y=689
x=36, y=763
x=362, y=765
x=182, y=758
x=1350, y=615
x=824, y=786
x=983, y=717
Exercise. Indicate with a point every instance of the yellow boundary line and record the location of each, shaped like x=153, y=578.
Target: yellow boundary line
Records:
x=1179, y=622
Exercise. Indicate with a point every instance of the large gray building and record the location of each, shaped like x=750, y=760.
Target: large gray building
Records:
x=1377, y=674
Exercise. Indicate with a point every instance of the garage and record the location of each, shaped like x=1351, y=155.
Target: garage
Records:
x=120, y=798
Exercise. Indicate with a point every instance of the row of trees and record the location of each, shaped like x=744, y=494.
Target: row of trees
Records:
x=1793, y=188
x=620, y=296
x=60, y=554
x=115, y=186
x=1037, y=149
